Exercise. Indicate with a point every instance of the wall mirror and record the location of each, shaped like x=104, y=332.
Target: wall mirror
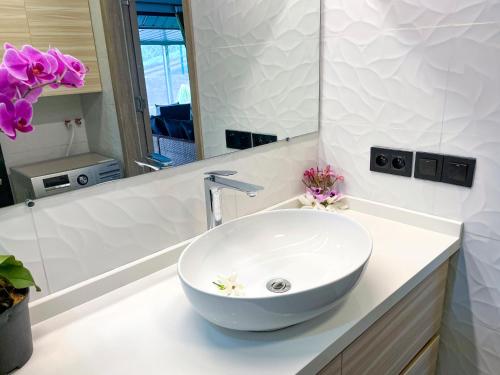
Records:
x=169, y=82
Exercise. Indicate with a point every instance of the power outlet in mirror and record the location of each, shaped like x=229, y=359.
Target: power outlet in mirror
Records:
x=396, y=162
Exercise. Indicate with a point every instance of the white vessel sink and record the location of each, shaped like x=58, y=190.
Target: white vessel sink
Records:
x=318, y=255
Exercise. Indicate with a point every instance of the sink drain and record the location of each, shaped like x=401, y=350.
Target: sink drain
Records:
x=278, y=285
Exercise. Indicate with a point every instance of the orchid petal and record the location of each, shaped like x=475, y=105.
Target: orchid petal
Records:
x=16, y=64
x=31, y=53
x=24, y=110
x=26, y=129
x=6, y=86
x=7, y=120
x=33, y=95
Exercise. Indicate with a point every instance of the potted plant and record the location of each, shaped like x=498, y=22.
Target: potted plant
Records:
x=321, y=189
x=16, y=344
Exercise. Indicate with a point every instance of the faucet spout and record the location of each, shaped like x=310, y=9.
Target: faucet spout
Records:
x=214, y=183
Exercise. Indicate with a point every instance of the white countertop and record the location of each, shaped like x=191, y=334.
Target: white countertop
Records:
x=149, y=327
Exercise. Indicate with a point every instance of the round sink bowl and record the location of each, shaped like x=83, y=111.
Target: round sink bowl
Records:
x=292, y=265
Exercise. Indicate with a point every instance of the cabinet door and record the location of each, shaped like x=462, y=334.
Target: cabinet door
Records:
x=13, y=24
x=67, y=26
x=425, y=362
x=333, y=368
x=391, y=342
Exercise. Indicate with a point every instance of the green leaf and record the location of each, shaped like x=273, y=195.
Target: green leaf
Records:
x=9, y=260
x=15, y=274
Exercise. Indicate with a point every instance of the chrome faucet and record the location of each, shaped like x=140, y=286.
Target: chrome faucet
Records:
x=214, y=183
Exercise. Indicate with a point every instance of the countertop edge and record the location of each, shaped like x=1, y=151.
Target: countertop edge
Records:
x=362, y=325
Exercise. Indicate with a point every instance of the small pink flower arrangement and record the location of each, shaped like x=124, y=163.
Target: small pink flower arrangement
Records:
x=23, y=75
x=321, y=187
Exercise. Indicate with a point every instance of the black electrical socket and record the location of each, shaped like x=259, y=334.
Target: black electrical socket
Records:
x=238, y=140
x=396, y=162
x=263, y=139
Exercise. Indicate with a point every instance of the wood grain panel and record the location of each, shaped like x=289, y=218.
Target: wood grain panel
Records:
x=392, y=341
x=13, y=24
x=81, y=47
x=13, y=17
x=425, y=362
x=333, y=368
x=67, y=26
x=193, y=79
x=123, y=91
x=57, y=17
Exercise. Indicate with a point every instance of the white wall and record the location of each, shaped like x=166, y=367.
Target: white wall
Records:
x=80, y=234
x=99, y=109
x=425, y=75
x=51, y=137
x=257, y=66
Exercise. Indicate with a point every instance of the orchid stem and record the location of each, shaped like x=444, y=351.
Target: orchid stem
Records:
x=41, y=85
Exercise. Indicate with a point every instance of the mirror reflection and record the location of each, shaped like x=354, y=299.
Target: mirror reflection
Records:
x=203, y=81
x=167, y=83
x=96, y=91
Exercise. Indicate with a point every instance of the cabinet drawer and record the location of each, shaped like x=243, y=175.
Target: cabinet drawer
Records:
x=391, y=342
x=425, y=361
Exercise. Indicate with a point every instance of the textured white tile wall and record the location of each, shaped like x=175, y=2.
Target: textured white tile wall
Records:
x=87, y=232
x=425, y=75
x=258, y=68
x=18, y=237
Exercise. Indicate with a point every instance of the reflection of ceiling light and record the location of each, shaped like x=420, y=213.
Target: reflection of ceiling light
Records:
x=279, y=236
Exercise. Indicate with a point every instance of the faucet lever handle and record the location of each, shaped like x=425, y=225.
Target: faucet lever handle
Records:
x=221, y=173
x=146, y=165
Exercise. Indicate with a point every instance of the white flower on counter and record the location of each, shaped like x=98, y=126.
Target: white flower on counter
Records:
x=229, y=286
x=308, y=201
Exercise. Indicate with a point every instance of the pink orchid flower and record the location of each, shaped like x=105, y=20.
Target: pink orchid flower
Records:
x=30, y=65
x=12, y=88
x=23, y=75
x=15, y=116
x=8, y=86
x=70, y=69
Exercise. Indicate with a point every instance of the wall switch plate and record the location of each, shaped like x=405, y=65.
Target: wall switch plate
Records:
x=263, y=139
x=428, y=166
x=386, y=160
x=238, y=140
x=458, y=170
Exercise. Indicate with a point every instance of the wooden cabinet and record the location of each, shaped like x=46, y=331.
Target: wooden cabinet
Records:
x=53, y=23
x=333, y=368
x=13, y=23
x=425, y=361
x=401, y=341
